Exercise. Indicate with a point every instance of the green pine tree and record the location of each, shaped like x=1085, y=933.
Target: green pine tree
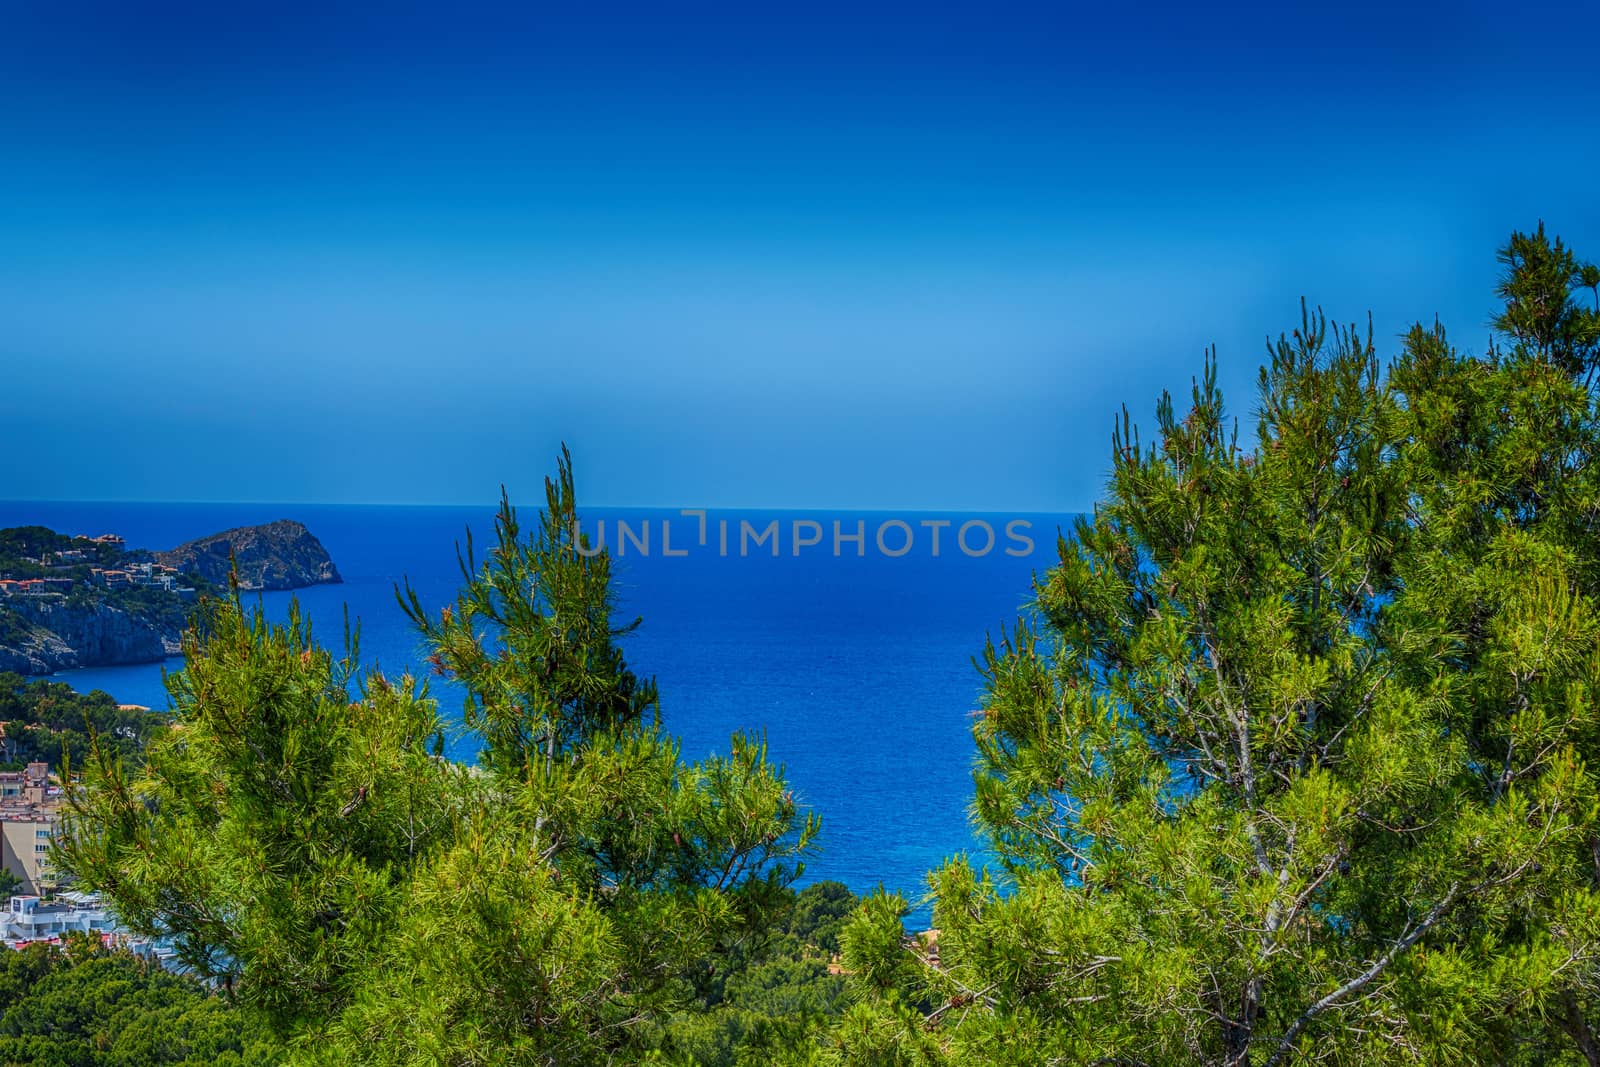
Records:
x=272, y=829
x=299, y=833
x=1295, y=761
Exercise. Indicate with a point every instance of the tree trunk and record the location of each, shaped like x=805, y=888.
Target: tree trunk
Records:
x=1236, y=1033
x=1579, y=1029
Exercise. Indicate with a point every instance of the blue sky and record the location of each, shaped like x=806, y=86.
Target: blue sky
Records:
x=815, y=256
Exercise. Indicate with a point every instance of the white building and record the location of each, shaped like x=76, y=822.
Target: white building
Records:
x=30, y=919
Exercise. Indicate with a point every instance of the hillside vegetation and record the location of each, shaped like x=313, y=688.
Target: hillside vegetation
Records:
x=1295, y=763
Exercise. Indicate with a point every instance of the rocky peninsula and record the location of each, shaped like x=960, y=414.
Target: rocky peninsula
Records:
x=278, y=555
x=78, y=601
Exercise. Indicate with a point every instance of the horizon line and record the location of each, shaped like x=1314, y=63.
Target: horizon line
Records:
x=672, y=509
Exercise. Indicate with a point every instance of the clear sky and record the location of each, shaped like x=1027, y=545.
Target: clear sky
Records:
x=799, y=256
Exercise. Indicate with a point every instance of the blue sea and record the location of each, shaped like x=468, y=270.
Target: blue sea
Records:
x=857, y=667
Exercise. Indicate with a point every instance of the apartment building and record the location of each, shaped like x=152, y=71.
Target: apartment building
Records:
x=29, y=808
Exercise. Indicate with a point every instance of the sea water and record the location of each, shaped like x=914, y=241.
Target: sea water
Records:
x=853, y=661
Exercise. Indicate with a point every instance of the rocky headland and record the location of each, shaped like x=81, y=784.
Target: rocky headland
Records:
x=70, y=602
x=277, y=555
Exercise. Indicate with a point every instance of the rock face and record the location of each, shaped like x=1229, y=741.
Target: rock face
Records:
x=278, y=555
x=54, y=635
x=96, y=625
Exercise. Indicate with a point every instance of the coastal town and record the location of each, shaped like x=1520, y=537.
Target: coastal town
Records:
x=70, y=600
x=40, y=907
x=80, y=563
x=92, y=600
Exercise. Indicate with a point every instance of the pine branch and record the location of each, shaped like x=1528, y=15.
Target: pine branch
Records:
x=1362, y=980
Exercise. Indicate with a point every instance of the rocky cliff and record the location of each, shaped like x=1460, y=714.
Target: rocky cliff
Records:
x=278, y=555
x=94, y=623
x=47, y=634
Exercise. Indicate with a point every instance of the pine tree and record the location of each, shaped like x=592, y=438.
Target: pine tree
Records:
x=555, y=675
x=270, y=830
x=1294, y=761
x=308, y=844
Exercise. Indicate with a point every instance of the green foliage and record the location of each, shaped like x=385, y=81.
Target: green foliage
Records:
x=31, y=552
x=817, y=919
x=50, y=722
x=273, y=828
x=23, y=547
x=532, y=639
x=1541, y=315
x=568, y=901
x=1297, y=764
x=1293, y=762
x=89, y=1007
x=775, y=999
